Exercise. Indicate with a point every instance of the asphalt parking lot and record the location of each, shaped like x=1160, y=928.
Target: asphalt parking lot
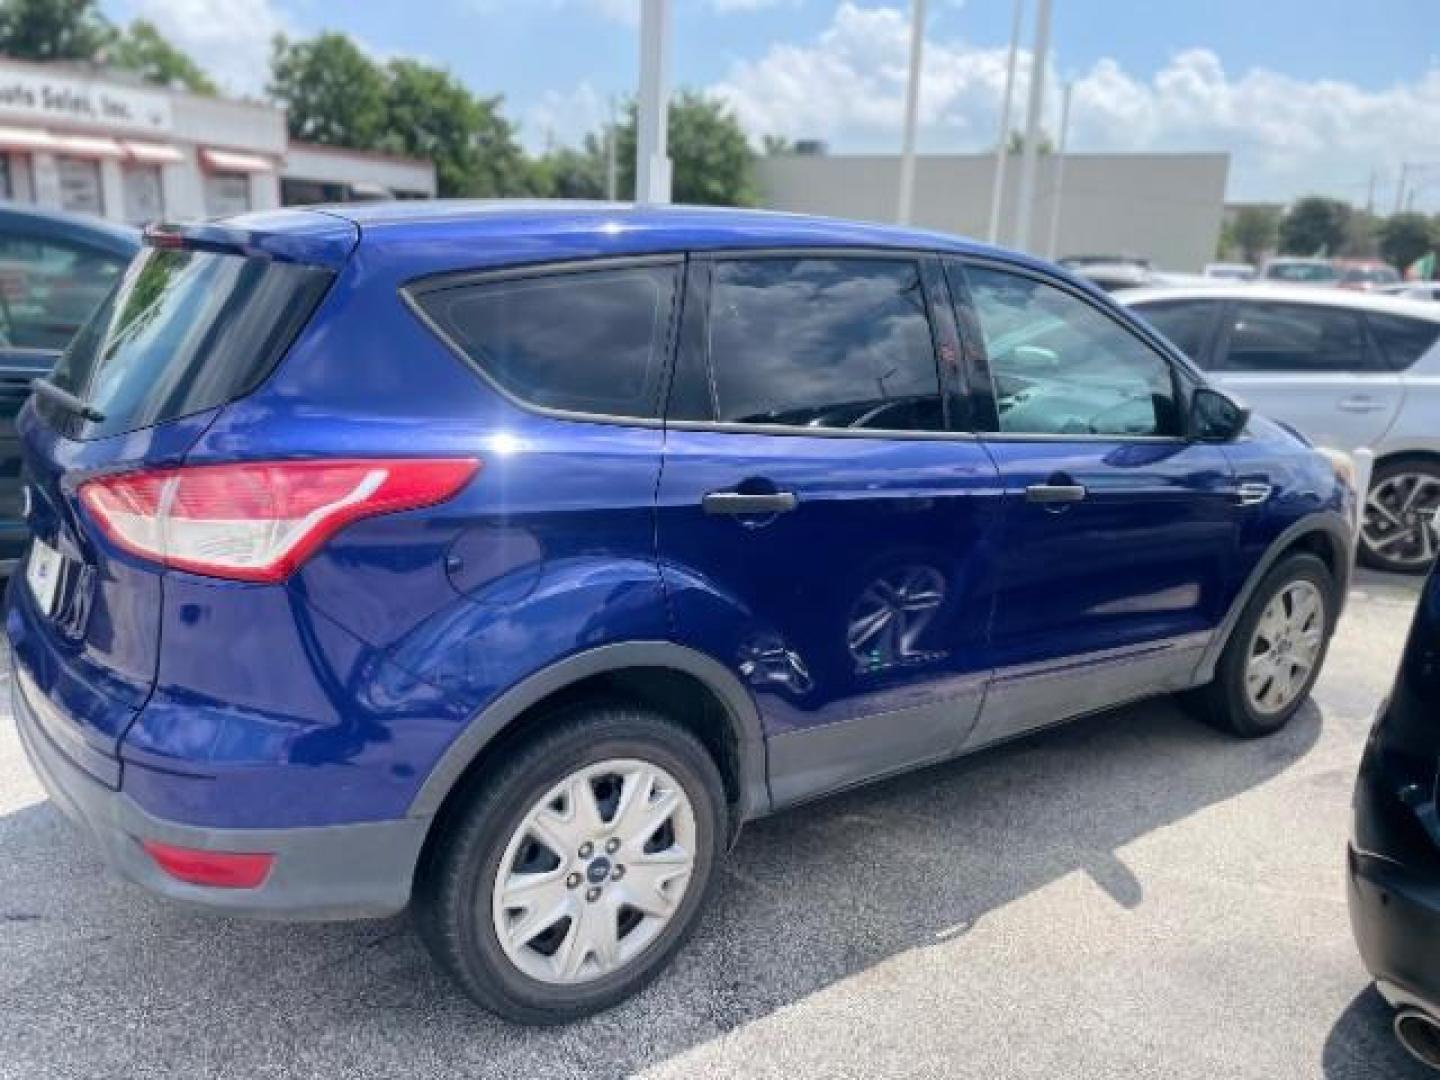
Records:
x=1133, y=895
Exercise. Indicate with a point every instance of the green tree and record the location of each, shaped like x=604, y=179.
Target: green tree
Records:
x=568, y=173
x=771, y=145
x=430, y=114
x=1405, y=237
x=141, y=48
x=1254, y=230
x=1314, y=225
x=332, y=92
x=711, y=160
x=53, y=29
x=1015, y=144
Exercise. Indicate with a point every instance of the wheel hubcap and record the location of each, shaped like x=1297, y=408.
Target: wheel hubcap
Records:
x=625, y=830
x=1285, y=647
x=1398, y=515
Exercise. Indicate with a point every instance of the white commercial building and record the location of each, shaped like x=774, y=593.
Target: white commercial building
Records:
x=98, y=143
x=1165, y=207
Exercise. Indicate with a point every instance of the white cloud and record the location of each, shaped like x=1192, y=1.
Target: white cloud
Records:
x=1285, y=135
x=564, y=118
x=230, y=39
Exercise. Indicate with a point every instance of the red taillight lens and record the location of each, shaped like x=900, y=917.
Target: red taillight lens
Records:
x=258, y=521
x=218, y=869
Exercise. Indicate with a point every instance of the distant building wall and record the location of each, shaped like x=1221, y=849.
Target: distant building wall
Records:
x=1164, y=206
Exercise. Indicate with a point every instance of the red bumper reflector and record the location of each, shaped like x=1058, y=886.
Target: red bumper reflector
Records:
x=217, y=869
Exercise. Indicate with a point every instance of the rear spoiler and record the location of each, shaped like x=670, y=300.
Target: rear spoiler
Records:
x=298, y=236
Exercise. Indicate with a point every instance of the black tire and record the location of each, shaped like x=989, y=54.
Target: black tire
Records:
x=1406, y=555
x=460, y=867
x=1224, y=703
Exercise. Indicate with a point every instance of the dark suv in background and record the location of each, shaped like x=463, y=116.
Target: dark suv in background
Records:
x=55, y=269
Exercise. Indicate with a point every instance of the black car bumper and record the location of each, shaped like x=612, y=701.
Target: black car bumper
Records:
x=1393, y=868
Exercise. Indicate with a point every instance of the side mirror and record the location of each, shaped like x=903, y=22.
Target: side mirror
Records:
x=1215, y=416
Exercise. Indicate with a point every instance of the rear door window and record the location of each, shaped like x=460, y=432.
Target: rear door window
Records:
x=1301, y=338
x=823, y=343
x=1400, y=339
x=184, y=331
x=589, y=341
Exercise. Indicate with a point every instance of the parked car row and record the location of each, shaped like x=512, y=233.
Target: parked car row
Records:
x=1350, y=370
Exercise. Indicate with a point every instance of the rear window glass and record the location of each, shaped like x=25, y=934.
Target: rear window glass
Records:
x=590, y=341
x=184, y=331
x=1402, y=340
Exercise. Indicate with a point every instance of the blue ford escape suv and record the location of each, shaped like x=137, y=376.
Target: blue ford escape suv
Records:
x=501, y=560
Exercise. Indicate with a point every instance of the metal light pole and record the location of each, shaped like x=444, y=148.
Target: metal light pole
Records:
x=1002, y=145
x=1050, y=251
x=652, y=162
x=906, y=200
x=612, y=169
x=1026, y=210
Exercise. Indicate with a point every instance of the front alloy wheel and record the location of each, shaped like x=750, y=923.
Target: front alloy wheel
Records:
x=1285, y=646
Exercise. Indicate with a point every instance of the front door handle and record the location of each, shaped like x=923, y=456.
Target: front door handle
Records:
x=1055, y=493
x=740, y=503
x=1361, y=403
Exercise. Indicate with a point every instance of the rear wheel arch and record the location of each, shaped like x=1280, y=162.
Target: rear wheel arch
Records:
x=690, y=688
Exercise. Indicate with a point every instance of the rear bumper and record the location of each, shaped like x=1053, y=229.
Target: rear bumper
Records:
x=1395, y=916
x=324, y=872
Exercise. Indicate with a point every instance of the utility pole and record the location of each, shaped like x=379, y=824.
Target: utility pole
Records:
x=1029, y=159
x=1002, y=144
x=652, y=160
x=906, y=200
x=1050, y=251
x=1400, y=187
x=612, y=169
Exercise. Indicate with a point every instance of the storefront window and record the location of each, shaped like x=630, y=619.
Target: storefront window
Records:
x=7, y=186
x=226, y=193
x=144, y=198
x=80, y=185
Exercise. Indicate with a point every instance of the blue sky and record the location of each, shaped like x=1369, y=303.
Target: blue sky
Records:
x=1305, y=94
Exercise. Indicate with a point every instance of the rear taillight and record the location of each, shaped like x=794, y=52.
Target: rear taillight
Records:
x=259, y=520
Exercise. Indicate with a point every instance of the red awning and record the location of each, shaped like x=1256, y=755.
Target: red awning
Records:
x=147, y=153
x=231, y=161
x=13, y=138
x=92, y=146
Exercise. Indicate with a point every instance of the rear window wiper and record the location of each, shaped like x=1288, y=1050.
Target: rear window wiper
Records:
x=67, y=401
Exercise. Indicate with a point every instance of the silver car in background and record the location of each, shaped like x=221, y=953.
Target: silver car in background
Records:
x=1346, y=369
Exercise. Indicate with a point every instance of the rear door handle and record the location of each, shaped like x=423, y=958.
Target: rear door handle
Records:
x=740, y=503
x=1360, y=403
x=1055, y=493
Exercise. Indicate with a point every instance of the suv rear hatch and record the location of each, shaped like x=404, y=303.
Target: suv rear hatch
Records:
x=198, y=319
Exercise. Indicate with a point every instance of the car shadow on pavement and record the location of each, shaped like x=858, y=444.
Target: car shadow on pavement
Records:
x=97, y=978
x=1362, y=1044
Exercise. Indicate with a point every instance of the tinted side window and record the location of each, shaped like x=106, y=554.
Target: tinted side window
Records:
x=1186, y=323
x=1062, y=367
x=1295, y=337
x=50, y=289
x=823, y=343
x=589, y=341
x=1402, y=340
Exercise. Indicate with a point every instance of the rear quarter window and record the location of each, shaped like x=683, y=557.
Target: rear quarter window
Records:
x=587, y=341
x=184, y=331
x=1401, y=340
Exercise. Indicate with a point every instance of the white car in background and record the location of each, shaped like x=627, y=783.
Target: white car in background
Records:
x=1347, y=369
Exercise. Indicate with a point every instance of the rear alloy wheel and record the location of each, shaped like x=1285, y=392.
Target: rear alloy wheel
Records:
x=1396, y=532
x=570, y=872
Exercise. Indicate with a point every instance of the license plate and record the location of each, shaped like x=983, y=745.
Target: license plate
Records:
x=42, y=574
